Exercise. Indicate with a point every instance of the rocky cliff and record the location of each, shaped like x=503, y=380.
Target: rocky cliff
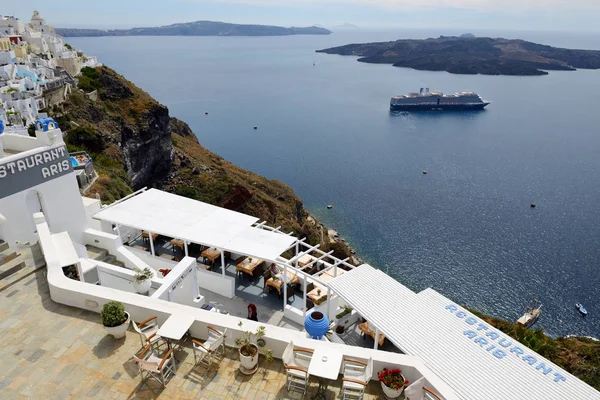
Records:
x=135, y=143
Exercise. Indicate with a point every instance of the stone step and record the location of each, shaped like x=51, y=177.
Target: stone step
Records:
x=96, y=253
x=3, y=246
x=6, y=257
x=110, y=259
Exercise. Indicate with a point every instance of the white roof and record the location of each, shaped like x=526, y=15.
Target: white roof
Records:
x=445, y=336
x=197, y=222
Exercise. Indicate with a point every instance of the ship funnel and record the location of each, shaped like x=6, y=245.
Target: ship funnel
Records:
x=421, y=91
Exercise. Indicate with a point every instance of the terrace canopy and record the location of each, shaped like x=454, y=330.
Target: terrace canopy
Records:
x=197, y=222
x=475, y=359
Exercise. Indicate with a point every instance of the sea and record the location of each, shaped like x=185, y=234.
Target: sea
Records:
x=466, y=228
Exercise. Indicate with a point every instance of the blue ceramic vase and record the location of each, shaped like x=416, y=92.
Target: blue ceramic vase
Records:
x=316, y=324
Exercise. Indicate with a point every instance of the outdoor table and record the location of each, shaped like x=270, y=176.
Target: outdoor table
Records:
x=367, y=330
x=175, y=328
x=304, y=260
x=248, y=265
x=318, y=295
x=278, y=284
x=178, y=243
x=325, y=364
x=212, y=253
x=146, y=235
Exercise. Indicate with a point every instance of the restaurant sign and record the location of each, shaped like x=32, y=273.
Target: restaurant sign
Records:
x=501, y=346
x=26, y=172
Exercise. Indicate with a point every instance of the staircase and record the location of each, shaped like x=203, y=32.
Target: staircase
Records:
x=96, y=253
x=18, y=263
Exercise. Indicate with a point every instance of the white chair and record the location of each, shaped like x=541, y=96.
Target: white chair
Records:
x=153, y=366
x=296, y=361
x=208, y=349
x=148, y=333
x=357, y=375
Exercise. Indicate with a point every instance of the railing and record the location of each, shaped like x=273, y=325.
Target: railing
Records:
x=429, y=394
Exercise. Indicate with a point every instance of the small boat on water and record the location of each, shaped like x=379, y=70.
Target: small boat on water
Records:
x=581, y=308
x=531, y=315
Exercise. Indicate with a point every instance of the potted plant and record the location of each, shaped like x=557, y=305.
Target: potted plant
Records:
x=341, y=319
x=392, y=382
x=115, y=319
x=142, y=280
x=249, y=351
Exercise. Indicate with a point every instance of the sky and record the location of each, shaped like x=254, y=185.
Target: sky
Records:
x=555, y=15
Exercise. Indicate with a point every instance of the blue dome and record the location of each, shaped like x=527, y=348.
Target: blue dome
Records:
x=43, y=124
x=1, y=127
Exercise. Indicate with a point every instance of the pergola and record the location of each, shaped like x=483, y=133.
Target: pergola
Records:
x=191, y=221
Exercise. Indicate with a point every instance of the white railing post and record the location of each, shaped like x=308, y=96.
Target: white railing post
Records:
x=376, y=345
x=223, y=263
x=304, y=308
x=185, y=247
x=284, y=286
x=151, y=243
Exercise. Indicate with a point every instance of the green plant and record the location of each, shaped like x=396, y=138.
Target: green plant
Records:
x=346, y=310
x=113, y=314
x=247, y=347
x=12, y=90
x=142, y=275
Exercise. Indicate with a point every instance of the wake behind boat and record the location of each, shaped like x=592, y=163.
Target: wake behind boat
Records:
x=531, y=315
x=581, y=309
x=436, y=100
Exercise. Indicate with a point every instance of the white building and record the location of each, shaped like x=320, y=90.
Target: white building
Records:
x=7, y=57
x=38, y=23
x=10, y=25
x=36, y=175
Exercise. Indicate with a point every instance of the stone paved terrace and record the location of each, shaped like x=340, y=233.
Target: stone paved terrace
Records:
x=58, y=352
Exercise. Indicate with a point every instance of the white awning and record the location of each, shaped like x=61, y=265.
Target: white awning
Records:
x=464, y=351
x=196, y=222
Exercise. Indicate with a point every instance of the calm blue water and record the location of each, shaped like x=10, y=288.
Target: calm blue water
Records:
x=466, y=228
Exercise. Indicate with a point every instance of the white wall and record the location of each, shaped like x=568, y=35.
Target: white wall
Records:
x=61, y=203
x=186, y=289
x=112, y=243
x=216, y=283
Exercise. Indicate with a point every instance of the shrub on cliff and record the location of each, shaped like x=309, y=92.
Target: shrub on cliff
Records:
x=89, y=80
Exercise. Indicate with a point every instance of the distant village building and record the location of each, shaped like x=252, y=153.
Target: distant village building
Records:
x=37, y=70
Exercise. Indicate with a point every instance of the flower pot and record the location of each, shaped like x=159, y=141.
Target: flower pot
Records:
x=391, y=393
x=249, y=362
x=119, y=331
x=316, y=324
x=142, y=287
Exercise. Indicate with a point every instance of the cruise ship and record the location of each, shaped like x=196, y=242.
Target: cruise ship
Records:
x=437, y=101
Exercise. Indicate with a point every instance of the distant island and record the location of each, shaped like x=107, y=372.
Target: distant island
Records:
x=198, y=28
x=345, y=25
x=468, y=54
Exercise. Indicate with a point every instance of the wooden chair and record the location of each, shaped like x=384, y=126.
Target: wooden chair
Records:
x=208, y=349
x=296, y=361
x=153, y=366
x=147, y=330
x=357, y=375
